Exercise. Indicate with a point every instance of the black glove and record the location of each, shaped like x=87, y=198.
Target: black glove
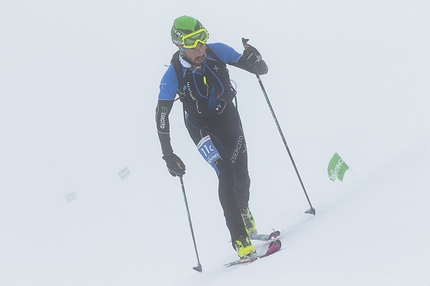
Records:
x=251, y=54
x=175, y=165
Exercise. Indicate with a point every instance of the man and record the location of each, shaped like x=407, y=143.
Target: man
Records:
x=198, y=74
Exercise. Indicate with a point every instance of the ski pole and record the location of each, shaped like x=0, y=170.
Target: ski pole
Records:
x=199, y=266
x=311, y=210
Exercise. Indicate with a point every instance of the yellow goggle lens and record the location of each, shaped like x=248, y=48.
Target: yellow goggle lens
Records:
x=191, y=41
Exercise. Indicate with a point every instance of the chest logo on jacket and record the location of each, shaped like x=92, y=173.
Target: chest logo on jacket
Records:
x=190, y=92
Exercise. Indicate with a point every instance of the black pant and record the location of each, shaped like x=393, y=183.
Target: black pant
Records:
x=227, y=135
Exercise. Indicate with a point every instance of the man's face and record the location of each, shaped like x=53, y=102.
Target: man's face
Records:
x=197, y=55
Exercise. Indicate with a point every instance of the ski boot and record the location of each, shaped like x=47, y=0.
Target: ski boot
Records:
x=248, y=221
x=244, y=248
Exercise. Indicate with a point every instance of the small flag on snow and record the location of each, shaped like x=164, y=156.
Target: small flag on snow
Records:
x=337, y=168
x=124, y=173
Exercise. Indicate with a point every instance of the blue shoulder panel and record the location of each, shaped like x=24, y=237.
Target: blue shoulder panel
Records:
x=225, y=53
x=168, y=85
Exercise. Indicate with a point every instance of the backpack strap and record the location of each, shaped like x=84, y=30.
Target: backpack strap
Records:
x=212, y=54
x=178, y=70
x=179, y=75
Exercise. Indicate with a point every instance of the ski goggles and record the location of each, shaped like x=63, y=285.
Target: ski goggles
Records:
x=191, y=41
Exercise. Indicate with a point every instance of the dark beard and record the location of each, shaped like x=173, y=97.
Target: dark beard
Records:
x=193, y=63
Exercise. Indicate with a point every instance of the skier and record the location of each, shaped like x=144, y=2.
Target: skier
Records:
x=198, y=74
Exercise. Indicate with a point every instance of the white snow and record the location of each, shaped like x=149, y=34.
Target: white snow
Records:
x=85, y=198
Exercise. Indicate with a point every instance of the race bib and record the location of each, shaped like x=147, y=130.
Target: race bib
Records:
x=208, y=150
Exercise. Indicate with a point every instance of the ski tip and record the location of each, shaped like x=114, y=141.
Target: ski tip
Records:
x=276, y=242
x=274, y=234
x=274, y=246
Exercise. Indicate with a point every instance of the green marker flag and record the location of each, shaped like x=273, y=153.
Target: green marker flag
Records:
x=337, y=168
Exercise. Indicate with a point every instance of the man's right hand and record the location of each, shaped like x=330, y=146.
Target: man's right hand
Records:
x=175, y=165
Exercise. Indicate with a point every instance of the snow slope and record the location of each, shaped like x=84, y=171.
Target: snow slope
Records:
x=78, y=89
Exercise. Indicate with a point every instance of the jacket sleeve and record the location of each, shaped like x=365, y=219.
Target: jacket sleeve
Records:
x=262, y=67
x=230, y=56
x=163, y=127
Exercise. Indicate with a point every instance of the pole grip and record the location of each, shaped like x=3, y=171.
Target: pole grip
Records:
x=245, y=43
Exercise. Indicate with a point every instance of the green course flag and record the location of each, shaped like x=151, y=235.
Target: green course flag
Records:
x=337, y=168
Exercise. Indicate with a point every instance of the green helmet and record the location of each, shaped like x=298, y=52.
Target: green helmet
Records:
x=183, y=26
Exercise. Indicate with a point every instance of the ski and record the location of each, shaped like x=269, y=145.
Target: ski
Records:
x=265, y=237
x=274, y=247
